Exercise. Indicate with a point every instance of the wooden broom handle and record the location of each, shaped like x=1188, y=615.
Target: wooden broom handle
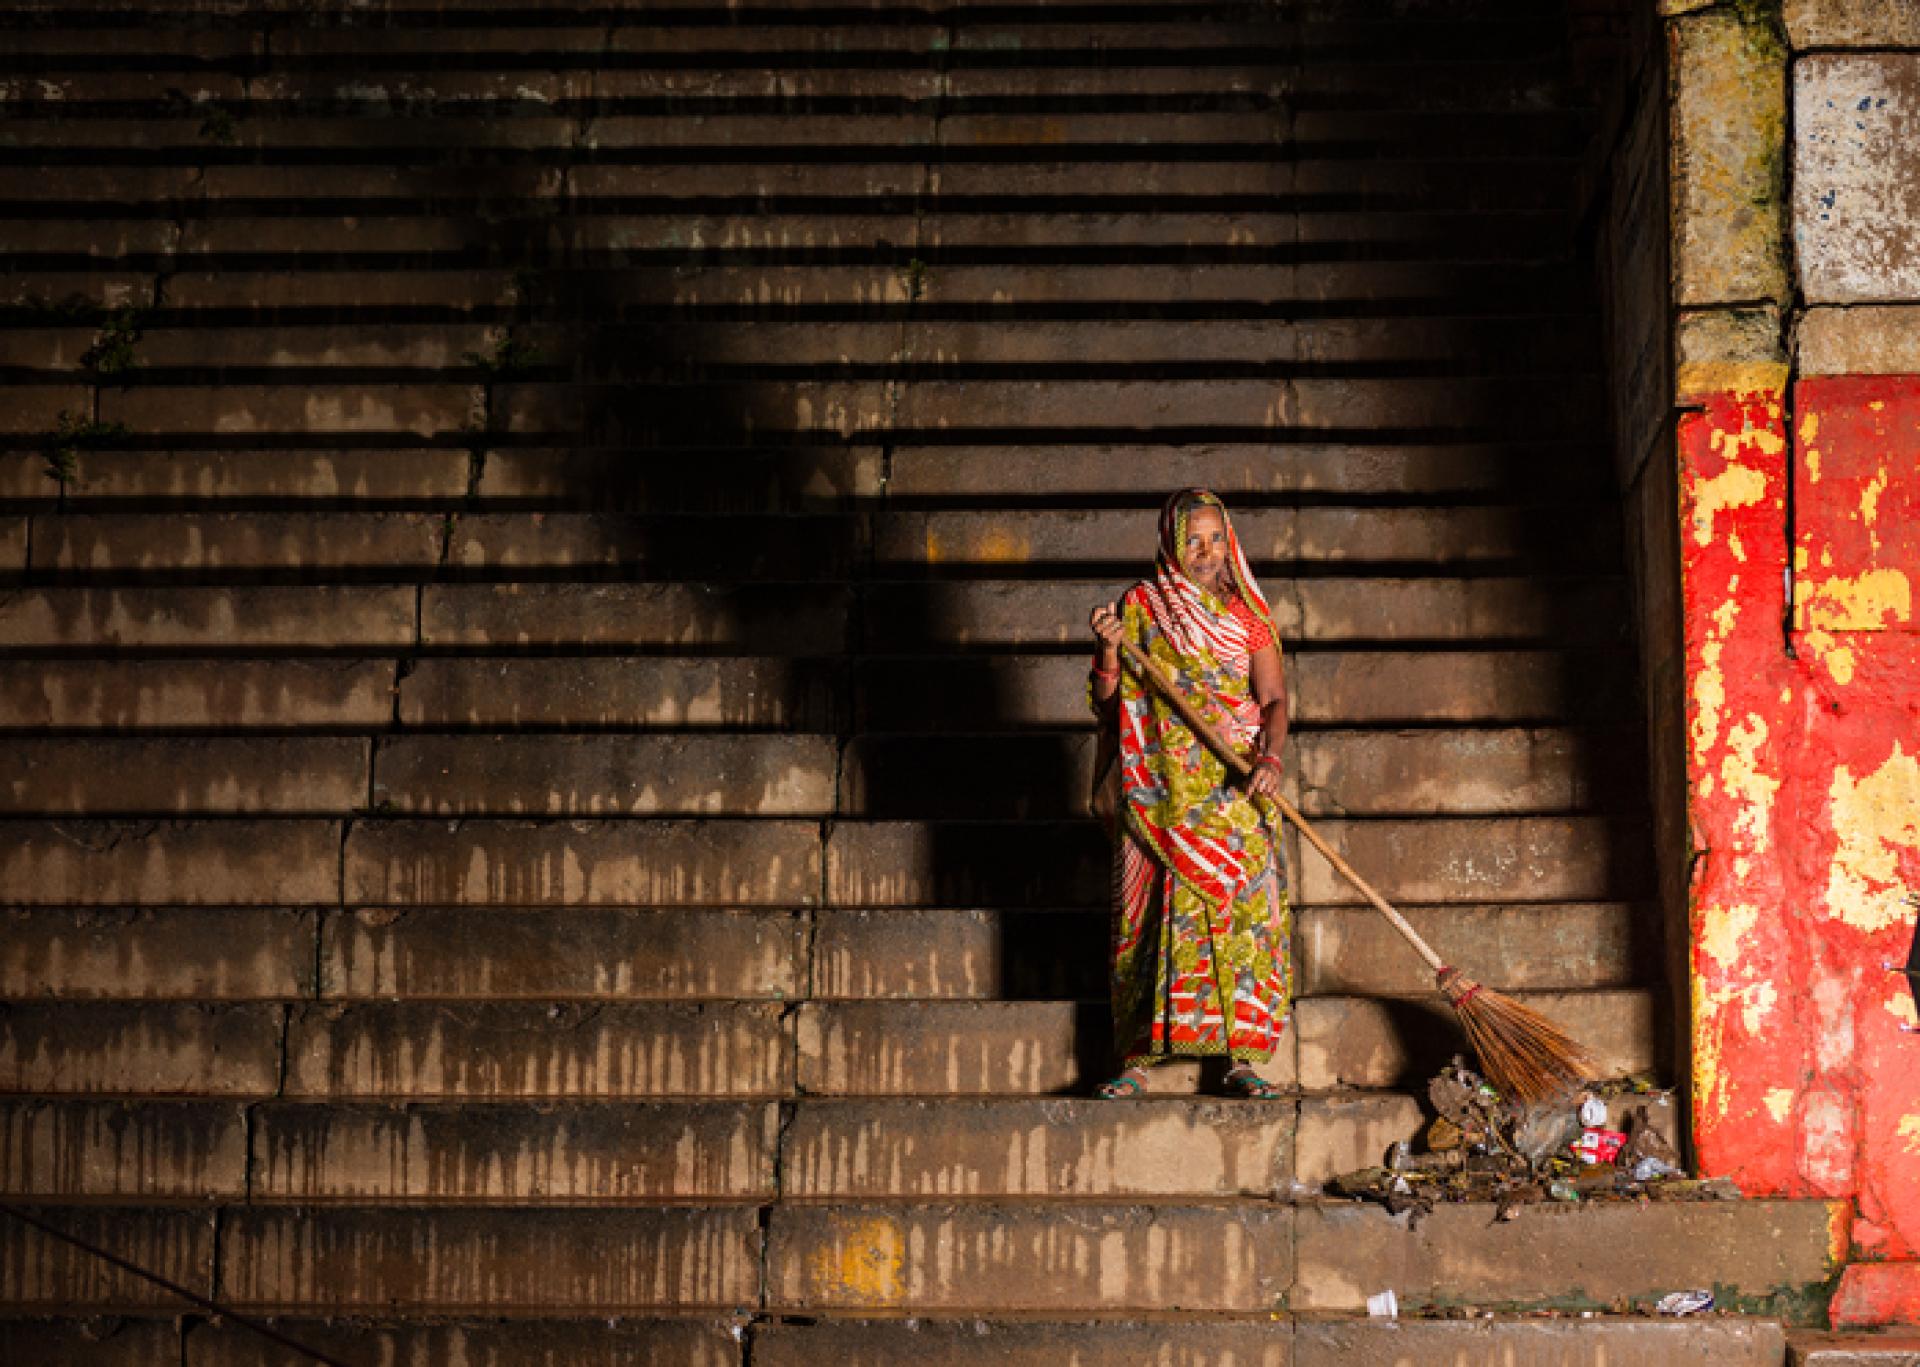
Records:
x=1241, y=767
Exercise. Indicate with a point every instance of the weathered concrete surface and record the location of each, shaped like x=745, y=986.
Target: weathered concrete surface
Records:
x=1593, y=1257
x=947, y=1048
x=322, y=617
x=913, y=863
x=1864, y=339
x=1856, y=176
x=524, y=863
x=607, y=775
x=755, y=619
x=423, y=953
x=176, y=953
x=404, y=475
x=87, y=1150
x=98, y=1343
x=422, y=410
x=1374, y=1042
x=1521, y=859
x=203, y=776
x=1012, y=1258
x=124, y=1050
x=99, y=694
x=595, y=545
x=1728, y=121
x=256, y=547
x=1512, y=947
x=199, y=863
x=1507, y=1342
x=1852, y=23
x=39, y=1274
x=947, y=1149
x=602, y=1154
x=492, y=1261
x=585, y=1342
x=749, y=691
x=1895, y=1348
x=763, y=480
x=405, y=1051
x=1342, y=1134
x=971, y=953
x=1211, y=1341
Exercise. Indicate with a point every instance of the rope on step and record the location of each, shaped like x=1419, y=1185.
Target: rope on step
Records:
x=258, y=1326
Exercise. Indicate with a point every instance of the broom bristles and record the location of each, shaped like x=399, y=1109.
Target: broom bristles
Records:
x=1523, y=1053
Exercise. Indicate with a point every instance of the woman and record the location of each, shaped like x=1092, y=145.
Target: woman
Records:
x=1201, y=954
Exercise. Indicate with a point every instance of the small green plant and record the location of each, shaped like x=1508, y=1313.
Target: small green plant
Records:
x=509, y=355
x=220, y=127
x=72, y=435
x=916, y=278
x=112, y=352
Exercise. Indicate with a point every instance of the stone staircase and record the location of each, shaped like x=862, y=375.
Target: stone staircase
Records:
x=544, y=558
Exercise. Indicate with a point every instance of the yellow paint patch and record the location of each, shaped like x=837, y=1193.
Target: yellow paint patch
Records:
x=1743, y=777
x=1723, y=931
x=1779, y=1103
x=1734, y=487
x=1813, y=466
x=1875, y=819
x=1698, y=379
x=1865, y=602
x=1870, y=498
x=865, y=1265
x=1709, y=685
x=1809, y=427
x=1900, y=1007
x=1909, y=1132
x=1838, y=659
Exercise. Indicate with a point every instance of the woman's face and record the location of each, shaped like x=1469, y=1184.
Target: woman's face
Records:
x=1205, y=553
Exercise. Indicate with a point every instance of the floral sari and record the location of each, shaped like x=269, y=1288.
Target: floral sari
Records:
x=1201, y=960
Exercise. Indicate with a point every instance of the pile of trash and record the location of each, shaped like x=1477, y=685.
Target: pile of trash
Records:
x=1599, y=1145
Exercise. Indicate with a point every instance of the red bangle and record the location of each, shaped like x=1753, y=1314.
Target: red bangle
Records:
x=1104, y=674
x=1274, y=760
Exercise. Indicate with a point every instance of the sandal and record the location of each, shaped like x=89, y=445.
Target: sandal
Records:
x=1131, y=1083
x=1249, y=1085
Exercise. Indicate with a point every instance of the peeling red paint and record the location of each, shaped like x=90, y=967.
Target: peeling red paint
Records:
x=1804, y=797
x=1877, y=1293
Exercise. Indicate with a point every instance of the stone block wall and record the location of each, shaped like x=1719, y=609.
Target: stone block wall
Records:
x=1795, y=163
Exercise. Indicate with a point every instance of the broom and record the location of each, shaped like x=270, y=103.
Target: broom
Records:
x=1524, y=1053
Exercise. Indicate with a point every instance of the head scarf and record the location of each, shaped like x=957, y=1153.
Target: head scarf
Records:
x=1196, y=622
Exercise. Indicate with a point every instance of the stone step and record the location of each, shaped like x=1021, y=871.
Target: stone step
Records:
x=942, y=616
x=582, y=862
x=287, y=861
x=711, y=618
x=1271, y=1340
x=1328, y=773
x=1046, y=863
x=255, y=618
x=187, y=695
x=978, y=953
x=1890, y=1348
x=604, y=1155
x=432, y=953
x=317, y=479
x=915, y=350
x=103, y=1049
x=1249, y=1341
x=607, y=775
x=1140, y=474
x=1044, y=1149
x=1325, y=688
x=87, y=1151
x=511, y=1051
x=211, y=775
x=180, y=953
x=717, y=693
x=964, y=1048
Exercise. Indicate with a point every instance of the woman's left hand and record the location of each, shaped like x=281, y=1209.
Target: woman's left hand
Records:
x=1265, y=780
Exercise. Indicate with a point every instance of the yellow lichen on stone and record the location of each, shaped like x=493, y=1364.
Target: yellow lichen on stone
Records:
x=1875, y=818
x=865, y=1265
x=1734, y=487
x=1870, y=601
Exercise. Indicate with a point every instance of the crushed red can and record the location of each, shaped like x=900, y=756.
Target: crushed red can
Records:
x=1596, y=1145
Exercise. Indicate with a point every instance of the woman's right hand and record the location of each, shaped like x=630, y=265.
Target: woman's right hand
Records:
x=1105, y=622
